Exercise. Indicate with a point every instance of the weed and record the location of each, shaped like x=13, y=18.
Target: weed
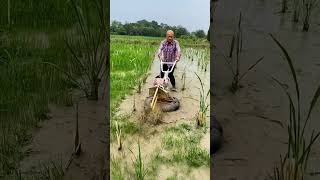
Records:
x=308, y=7
x=236, y=46
x=140, y=170
x=295, y=162
x=203, y=106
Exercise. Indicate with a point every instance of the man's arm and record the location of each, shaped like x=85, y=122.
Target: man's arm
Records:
x=178, y=52
x=159, y=52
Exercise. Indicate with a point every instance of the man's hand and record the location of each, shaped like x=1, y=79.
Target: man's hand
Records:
x=177, y=59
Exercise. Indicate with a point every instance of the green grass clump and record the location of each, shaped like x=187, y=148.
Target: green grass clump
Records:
x=183, y=144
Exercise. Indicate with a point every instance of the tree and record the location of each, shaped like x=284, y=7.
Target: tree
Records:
x=179, y=31
x=200, y=34
x=146, y=28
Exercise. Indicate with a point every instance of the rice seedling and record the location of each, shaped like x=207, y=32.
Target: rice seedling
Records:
x=140, y=170
x=203, y=106
x=183, y=78
x=118, y=134
x=129, y=64
x=284, y=6
x=296, y=10
x=127, y=127
x=134, y=109
x=308, y=7
x=139, y=86
x=236, y=47
x=295, y=163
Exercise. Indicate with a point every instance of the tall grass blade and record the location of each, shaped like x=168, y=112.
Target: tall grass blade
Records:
x=251, y=67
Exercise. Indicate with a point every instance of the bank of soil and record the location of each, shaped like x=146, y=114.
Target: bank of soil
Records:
x=255, y=118
x=150, y=135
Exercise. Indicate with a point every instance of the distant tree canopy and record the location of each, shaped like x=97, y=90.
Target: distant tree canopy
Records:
x=152, y=28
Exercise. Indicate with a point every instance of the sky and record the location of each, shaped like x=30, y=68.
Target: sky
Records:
x=191, y=14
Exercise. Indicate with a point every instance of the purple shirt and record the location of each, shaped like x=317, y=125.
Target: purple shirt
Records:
x=169, y=51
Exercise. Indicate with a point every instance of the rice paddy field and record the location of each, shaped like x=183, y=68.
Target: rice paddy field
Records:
x=34, y=38
x=271, y=119
x=175, y=148
x=27, y=88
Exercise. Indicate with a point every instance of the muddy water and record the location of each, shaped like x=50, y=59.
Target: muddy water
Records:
x=151, y=138
x=54, y=141
x=253, y=118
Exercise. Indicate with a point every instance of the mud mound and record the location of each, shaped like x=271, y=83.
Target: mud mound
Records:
x=169, y=106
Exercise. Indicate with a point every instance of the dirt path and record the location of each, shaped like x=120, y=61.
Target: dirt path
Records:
x=54, y=141
x=151, y=138
x=254, y=119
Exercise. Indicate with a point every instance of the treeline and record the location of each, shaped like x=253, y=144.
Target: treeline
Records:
x=152, y=28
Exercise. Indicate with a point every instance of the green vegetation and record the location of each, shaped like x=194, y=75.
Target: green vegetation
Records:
x=182, y=144
x=153, y=29
x=294, y=165
x=129, y=63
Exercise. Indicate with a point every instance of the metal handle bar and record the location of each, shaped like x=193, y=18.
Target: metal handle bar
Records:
x=168, y=63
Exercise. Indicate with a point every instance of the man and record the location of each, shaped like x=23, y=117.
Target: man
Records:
x=169, y=51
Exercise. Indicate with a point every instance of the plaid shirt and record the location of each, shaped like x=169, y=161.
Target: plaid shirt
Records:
x=169, y=51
